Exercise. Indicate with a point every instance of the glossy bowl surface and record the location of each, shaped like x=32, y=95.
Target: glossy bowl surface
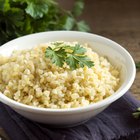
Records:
x=115, y=53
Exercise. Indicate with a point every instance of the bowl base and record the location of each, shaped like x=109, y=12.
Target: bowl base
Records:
x=67, y=125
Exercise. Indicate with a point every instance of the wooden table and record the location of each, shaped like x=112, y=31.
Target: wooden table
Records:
x=118, y=20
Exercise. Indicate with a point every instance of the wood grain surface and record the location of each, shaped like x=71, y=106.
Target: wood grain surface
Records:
x=118, y=20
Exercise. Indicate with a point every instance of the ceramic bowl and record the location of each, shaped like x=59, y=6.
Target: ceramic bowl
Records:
x=115, y=53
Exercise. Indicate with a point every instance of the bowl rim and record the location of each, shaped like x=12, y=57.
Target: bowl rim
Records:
x=120, y=92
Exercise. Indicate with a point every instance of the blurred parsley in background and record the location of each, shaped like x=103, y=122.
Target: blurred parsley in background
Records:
x=21, y=17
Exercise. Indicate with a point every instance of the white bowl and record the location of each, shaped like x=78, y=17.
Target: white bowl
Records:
x=116, y=54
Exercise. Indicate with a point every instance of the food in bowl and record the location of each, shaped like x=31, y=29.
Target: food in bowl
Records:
x=116, y=55
x=35, y=77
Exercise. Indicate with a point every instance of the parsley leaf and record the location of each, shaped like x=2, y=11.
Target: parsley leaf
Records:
x=74, y=56
x=78, y=7
x=84, y=61
x=37, y=8
x=137, y=113
x=82, y=26
x=138, y=65
x=72, y=62
x=68, y=23
x=56, y=56
x=79, y=50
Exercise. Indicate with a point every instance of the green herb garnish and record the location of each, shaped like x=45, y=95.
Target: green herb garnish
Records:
x=137, y=113
x=74, y=56
x=138, y=65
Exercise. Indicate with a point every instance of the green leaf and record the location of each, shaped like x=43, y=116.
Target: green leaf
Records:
x=84, y=61
x=4, y=5
x=72, y=62
x=82, y=26
x=69, y=23
x=56, y=56
x=138, y=65
x=137, y=113
x=73, y=56
x=78, y=7
x=37, y=8
x=79, y=50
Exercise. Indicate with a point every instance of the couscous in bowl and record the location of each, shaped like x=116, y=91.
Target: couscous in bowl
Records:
x=116, y=55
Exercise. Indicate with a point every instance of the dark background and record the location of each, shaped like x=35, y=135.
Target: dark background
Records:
x=118, y=20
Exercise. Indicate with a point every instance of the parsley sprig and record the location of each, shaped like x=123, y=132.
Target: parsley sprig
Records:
x=138, y=65
x=137, y=113
x=74, y=56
